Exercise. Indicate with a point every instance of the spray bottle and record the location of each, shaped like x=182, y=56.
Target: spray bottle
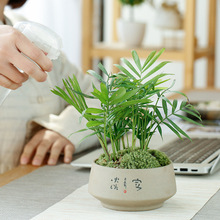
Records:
x=43, y=38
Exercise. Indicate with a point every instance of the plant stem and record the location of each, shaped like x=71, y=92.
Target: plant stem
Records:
x=106, y=113
x=123, y=141
x=113, y=147
x=104, y=147
x=127, y=141
x=151, y=124
x=133, y=126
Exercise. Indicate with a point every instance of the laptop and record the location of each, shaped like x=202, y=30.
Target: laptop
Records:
x=197, y=157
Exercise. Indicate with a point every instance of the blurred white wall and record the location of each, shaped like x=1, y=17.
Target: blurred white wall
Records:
x=65, y=18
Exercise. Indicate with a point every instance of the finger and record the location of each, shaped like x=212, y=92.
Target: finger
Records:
x=7, y=83
x=13, y=73
x=55, y=152
x=22, y=62
x=41, y=152
x=68, y=153
x=24, y=45
x=29, y=150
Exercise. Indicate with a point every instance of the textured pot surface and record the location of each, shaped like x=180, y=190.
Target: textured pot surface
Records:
x=132, y=189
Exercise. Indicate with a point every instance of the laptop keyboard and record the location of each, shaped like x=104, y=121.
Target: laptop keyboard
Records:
x=195, y=151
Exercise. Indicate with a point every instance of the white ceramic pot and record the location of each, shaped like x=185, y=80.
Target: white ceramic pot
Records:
x=132, y=189
x=131, y=33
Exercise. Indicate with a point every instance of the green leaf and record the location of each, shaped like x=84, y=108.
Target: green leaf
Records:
x=192, y=113
x=79, y=101
x=136, y=59
x=73, y=83
x=94, y=110
x=174, y=105
x=82, y=130
x=93, y=117
x=94, y=123
x=160, y=131
x=104, y=90
x=173, y=83
x=101, y=67
x=164, y=104
x=130, y=66
x=192, y=108
x=58, y=91
x=167, y=100
x=187, y=119
x=161, y=82
x=134, y=102
x=93, y=86
x=96, y=75
x=63, y=95
x=154, y=80
x=99, y=95
x=159, y=114
x=181, y=93
x=118, y=113
x=82, y=94
x=155, y=69
x=89, y=135
x=151, y=55
x=130, y=94
x=173, y=130
x=126, y=72
x=126, y=96
x=178, y=129
x=117, y=95
x=82, y=116
x=183, y=104
x=153, y=60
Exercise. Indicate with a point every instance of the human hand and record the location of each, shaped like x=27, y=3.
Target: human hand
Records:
x=12, y=45
x=45, y=141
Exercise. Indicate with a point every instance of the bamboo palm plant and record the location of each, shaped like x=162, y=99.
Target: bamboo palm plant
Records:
x=131, y=100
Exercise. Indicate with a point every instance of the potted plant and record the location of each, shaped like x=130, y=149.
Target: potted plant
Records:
x=131, y=32
x=133, y=106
